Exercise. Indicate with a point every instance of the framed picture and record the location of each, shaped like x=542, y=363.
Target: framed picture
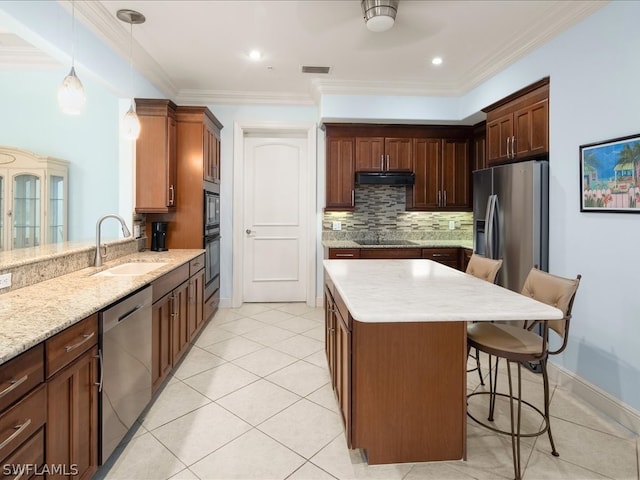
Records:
x=610, y=176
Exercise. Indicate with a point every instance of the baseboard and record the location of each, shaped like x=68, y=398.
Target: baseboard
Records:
x=320, y=302
x=225, y=303
x=610, y=406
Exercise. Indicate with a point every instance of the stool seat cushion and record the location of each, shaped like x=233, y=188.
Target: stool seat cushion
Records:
x=507, y=341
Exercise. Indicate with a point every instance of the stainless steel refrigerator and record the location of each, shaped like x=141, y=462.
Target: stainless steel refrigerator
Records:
x=511, y=218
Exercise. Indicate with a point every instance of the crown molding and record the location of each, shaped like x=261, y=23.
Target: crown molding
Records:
x=116, y=36
x=208, y=97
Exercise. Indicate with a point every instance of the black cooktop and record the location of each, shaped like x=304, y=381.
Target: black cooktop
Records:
x=384, y=242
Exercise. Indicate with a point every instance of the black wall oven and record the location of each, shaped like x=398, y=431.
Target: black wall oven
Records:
x=211, y=242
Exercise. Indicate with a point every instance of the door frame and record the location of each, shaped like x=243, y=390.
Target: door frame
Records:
x=240, y=129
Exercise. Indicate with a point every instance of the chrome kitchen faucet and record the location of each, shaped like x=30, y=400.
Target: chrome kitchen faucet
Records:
x=125, y=232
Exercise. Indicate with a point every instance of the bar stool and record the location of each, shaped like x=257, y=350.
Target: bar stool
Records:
x=521, y=344
x=485, y=269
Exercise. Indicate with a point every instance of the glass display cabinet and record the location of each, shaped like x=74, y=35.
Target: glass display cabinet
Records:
x=33, y=199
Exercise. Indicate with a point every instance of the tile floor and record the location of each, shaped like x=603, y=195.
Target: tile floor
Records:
x=252, y=400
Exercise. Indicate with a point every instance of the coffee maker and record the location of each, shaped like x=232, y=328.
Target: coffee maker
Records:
x=159, y=236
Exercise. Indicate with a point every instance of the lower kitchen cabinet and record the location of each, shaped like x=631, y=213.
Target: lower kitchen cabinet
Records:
x=177, y=315
x=72, y=419
x=446, y=256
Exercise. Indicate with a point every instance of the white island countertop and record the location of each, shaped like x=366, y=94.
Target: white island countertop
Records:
x=426, y=291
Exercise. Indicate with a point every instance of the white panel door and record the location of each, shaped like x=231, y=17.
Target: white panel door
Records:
x=275, y=224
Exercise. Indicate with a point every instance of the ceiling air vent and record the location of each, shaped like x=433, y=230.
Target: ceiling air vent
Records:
x=310, y=69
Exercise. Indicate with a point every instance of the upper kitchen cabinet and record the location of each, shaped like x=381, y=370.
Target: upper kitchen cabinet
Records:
x=198, y=152
x=33, y=199
x=518, y=125
x=156, y=160
x=340, y=158
x=443, y=174
x=380, y=154
x=479, y=147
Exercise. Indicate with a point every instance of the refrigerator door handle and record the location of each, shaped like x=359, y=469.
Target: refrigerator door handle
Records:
x=488, y=236
x=497, y=245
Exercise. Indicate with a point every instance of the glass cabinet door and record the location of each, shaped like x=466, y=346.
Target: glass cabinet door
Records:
x=56, y=218
x=26, y=211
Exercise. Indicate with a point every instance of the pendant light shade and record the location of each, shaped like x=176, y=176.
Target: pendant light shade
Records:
x=131, y=124
x=130, y=121
x=71, y=97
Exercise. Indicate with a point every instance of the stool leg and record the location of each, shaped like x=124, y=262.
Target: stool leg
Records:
x=493, y=383
x=515, y=422
x=478, y=367
x=545, y=380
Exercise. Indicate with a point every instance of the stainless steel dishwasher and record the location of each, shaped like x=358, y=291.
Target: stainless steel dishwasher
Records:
x=126, y=360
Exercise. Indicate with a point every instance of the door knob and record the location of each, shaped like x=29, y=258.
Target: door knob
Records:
x=248, y=230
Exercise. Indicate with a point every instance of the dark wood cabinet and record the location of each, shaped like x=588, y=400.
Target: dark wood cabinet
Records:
x=446, y=256
x=72, y=418
x=72, y=399
x=177, y=315
x=479, y=147
x=389, y=253
x=156, y=161
x=518, y=126
x=443, y=175
x=380, y=154
x=340, y=186
x=343, y=253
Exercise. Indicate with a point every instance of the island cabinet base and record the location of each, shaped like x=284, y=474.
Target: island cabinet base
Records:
x=408, y=391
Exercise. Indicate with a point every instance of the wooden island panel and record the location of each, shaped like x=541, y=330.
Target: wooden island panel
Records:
x=408, y=391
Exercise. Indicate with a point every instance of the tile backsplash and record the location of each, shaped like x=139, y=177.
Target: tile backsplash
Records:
x=381, y=208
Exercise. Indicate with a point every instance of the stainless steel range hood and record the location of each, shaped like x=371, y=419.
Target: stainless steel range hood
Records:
x=385, y=178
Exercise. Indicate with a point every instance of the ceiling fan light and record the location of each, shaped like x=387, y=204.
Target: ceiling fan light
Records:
x=379, y=15
x=131, y=124
x=71, y=97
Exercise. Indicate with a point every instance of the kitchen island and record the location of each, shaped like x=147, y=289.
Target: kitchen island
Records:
x=396, y=348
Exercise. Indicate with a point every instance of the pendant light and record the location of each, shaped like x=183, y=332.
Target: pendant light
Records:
x=71, y=98
x=130, y=122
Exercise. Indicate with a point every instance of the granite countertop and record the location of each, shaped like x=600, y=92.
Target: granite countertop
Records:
x=426, y=291
x=402, y=243
x=32, y=314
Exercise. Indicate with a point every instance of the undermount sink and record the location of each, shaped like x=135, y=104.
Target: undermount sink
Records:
x=130, y=269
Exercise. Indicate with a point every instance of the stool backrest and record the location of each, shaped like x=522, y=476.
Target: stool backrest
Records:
x=484, y=268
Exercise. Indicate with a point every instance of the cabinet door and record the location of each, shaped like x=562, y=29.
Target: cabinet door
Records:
x=161, y=338
x=499, y=132
x=72, y=417
x=179, y=322
x=340, y=174
x=370, y=154
x=427, y=161
x=343, y=373
x=330, y=334
x=211, y=152
x=456, y=175
x=156, y=157
x=398, y=154
x=196, y=303
x=532, y=130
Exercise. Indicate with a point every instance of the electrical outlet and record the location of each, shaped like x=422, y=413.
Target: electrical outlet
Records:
x=452, y=224
x=336, y=225
x=5, y=280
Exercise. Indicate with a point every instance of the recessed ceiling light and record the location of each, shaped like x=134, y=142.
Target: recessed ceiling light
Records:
x=436, y=60
x=255, y=55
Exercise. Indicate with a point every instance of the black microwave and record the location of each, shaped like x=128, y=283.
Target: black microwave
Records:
x=211, y=211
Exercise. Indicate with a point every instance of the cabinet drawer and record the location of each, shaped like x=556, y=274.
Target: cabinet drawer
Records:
x=169, y=281
x=22, y=420
x=196, y=264
x=26, y=459
x=440, y=254
x=382, y=253
x=344, y=253
x=20, y=375
x=211, y=305
x=69, y=344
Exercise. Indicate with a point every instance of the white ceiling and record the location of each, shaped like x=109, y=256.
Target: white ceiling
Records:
x=196, y=51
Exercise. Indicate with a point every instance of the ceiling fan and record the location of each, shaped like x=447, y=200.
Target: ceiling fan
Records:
x=379, y=15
